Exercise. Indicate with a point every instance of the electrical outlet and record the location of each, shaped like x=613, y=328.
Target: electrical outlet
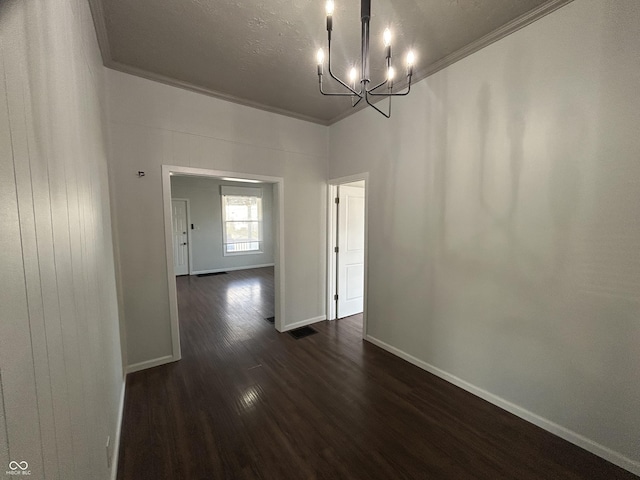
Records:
x=108, y=445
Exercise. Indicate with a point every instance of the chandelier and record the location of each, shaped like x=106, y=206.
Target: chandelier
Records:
x=364, y=90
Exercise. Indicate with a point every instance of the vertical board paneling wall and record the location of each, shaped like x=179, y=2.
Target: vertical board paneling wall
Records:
x=60, y=355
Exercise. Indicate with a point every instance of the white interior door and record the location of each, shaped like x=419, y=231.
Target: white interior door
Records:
x=350, y=250
x=180, y=243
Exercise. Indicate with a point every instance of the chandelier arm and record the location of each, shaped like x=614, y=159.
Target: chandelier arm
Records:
x=378, y=86
x=402, y=94
x=332, y=94
x=357, y=101
x=359, y=94
x=388, y=115
x=337, y=94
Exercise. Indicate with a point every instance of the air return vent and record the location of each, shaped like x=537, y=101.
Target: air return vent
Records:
x=302, y=332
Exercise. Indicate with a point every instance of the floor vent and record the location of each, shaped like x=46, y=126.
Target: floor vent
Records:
x=271, y=319
x=302, y=332
x=210, y=274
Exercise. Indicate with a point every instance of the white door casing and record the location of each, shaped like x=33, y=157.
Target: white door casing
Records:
x=351, y=213
x=180, y=237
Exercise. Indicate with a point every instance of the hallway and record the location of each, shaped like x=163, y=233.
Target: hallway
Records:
x=247, y=402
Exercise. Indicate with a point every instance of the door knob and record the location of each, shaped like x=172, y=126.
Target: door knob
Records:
x=184, y=243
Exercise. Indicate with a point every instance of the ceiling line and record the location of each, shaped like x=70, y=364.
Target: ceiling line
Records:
x=138, y=72
x=97, y=12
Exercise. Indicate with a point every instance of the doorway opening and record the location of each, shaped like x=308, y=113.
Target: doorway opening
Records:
x=347, y=248
x=225, y=251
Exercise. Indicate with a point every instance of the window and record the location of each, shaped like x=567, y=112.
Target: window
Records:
x=241, y=220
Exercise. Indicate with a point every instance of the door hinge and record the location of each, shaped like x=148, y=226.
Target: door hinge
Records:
x=337, y=199
x=336, y=249
x=335, y=297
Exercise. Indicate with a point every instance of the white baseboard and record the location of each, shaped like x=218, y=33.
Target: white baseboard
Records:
x=116, y=441
x=303, y=323
x=562, y=432
x=232, y=269
x=136, y=367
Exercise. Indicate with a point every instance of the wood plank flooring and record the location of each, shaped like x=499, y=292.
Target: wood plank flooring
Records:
x=247, y=402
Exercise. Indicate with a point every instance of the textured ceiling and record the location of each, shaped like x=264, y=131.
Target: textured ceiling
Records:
x=263, y=52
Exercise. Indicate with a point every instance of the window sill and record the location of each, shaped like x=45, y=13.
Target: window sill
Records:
x=235, y=254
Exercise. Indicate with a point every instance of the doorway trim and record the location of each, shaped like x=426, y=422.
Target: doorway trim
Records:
x=279, y=269
x=332, y=188
x=189, y=257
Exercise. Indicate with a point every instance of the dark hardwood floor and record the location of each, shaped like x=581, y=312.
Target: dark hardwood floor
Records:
x=247, y=402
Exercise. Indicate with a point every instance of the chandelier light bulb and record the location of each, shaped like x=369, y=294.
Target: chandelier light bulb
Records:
x=353, y=75
x=390, y=74
x=329, y=7
x=320, y=56
x=386, y=37
x=411, y=58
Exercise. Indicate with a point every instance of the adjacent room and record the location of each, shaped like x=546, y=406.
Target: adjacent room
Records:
x=381, y=239
x=222, y=232
x=221, y=225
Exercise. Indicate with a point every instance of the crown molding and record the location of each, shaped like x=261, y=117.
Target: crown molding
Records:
x=514, y=25
x=492, y=37
x=97, y=12
x=138, y=72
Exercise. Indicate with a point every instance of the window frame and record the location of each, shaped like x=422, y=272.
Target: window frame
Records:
x=259, y=221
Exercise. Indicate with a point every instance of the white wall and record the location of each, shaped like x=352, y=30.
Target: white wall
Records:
x=504, y=235
x=205, y=204
x=154, y=124
x=60, y=359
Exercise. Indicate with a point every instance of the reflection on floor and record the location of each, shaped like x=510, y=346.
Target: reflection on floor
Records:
x=247, y=402
x=237, y=303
